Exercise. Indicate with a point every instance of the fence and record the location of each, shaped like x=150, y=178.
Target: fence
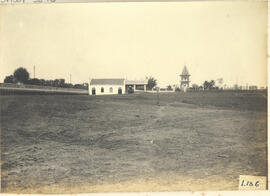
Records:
x=7, y=89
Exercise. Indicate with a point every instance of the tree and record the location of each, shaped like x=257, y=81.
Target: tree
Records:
x=209, y=85
x=48, y=82
x=220, y=81
x=169, y=88
x=206, y=84
x=61, y=82
x=34, y=81
x=177, y=89
x=21, y=75
x=195, y=86
x=56, y=83
x=152, y=82
x=81, y=86
x=42, y=82
x=9, y=79
x=212, y=83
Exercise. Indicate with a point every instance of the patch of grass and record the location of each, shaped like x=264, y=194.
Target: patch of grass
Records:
x=94, y=141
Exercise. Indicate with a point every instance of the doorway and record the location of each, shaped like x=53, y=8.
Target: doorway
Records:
x=93, y=91
x=119, y=90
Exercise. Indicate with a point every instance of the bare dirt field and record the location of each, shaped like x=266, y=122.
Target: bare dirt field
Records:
x=80, y=143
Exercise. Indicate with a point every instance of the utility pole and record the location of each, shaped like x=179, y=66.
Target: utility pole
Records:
x=34, y=71
x=70, y=78
x=157, y=95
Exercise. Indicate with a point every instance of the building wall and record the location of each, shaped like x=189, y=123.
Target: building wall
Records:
x=107, y=89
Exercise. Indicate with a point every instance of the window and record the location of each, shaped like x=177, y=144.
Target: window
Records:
x=102, y=89
x=111, y=90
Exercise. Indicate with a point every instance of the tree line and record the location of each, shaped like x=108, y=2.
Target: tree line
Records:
x=207, y=85
x=21, y=75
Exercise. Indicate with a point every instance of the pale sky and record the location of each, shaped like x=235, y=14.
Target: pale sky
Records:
x=132, y=40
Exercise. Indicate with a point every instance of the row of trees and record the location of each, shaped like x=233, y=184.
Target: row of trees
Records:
x=21, y=75
x=207, y=85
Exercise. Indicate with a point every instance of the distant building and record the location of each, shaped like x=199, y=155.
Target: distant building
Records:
x=184, y=83
x=136, y=85
x=253, y=87
x=115, y=86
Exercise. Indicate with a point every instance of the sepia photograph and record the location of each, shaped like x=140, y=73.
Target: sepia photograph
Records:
x=133, y=97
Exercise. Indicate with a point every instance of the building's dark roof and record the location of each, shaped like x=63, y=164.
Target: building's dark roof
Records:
x=185, y=71
x=117, y=81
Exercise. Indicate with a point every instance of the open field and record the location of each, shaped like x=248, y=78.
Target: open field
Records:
x=80, y=143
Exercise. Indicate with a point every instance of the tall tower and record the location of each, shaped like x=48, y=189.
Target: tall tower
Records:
x=184, y=83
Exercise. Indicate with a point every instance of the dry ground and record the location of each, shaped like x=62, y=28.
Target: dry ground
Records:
x=76, y=143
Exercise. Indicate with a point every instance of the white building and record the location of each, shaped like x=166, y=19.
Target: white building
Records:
x=115, y=86
x=106, y=86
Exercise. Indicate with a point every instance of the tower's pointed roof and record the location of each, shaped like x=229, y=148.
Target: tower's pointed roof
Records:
x=185, y=71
